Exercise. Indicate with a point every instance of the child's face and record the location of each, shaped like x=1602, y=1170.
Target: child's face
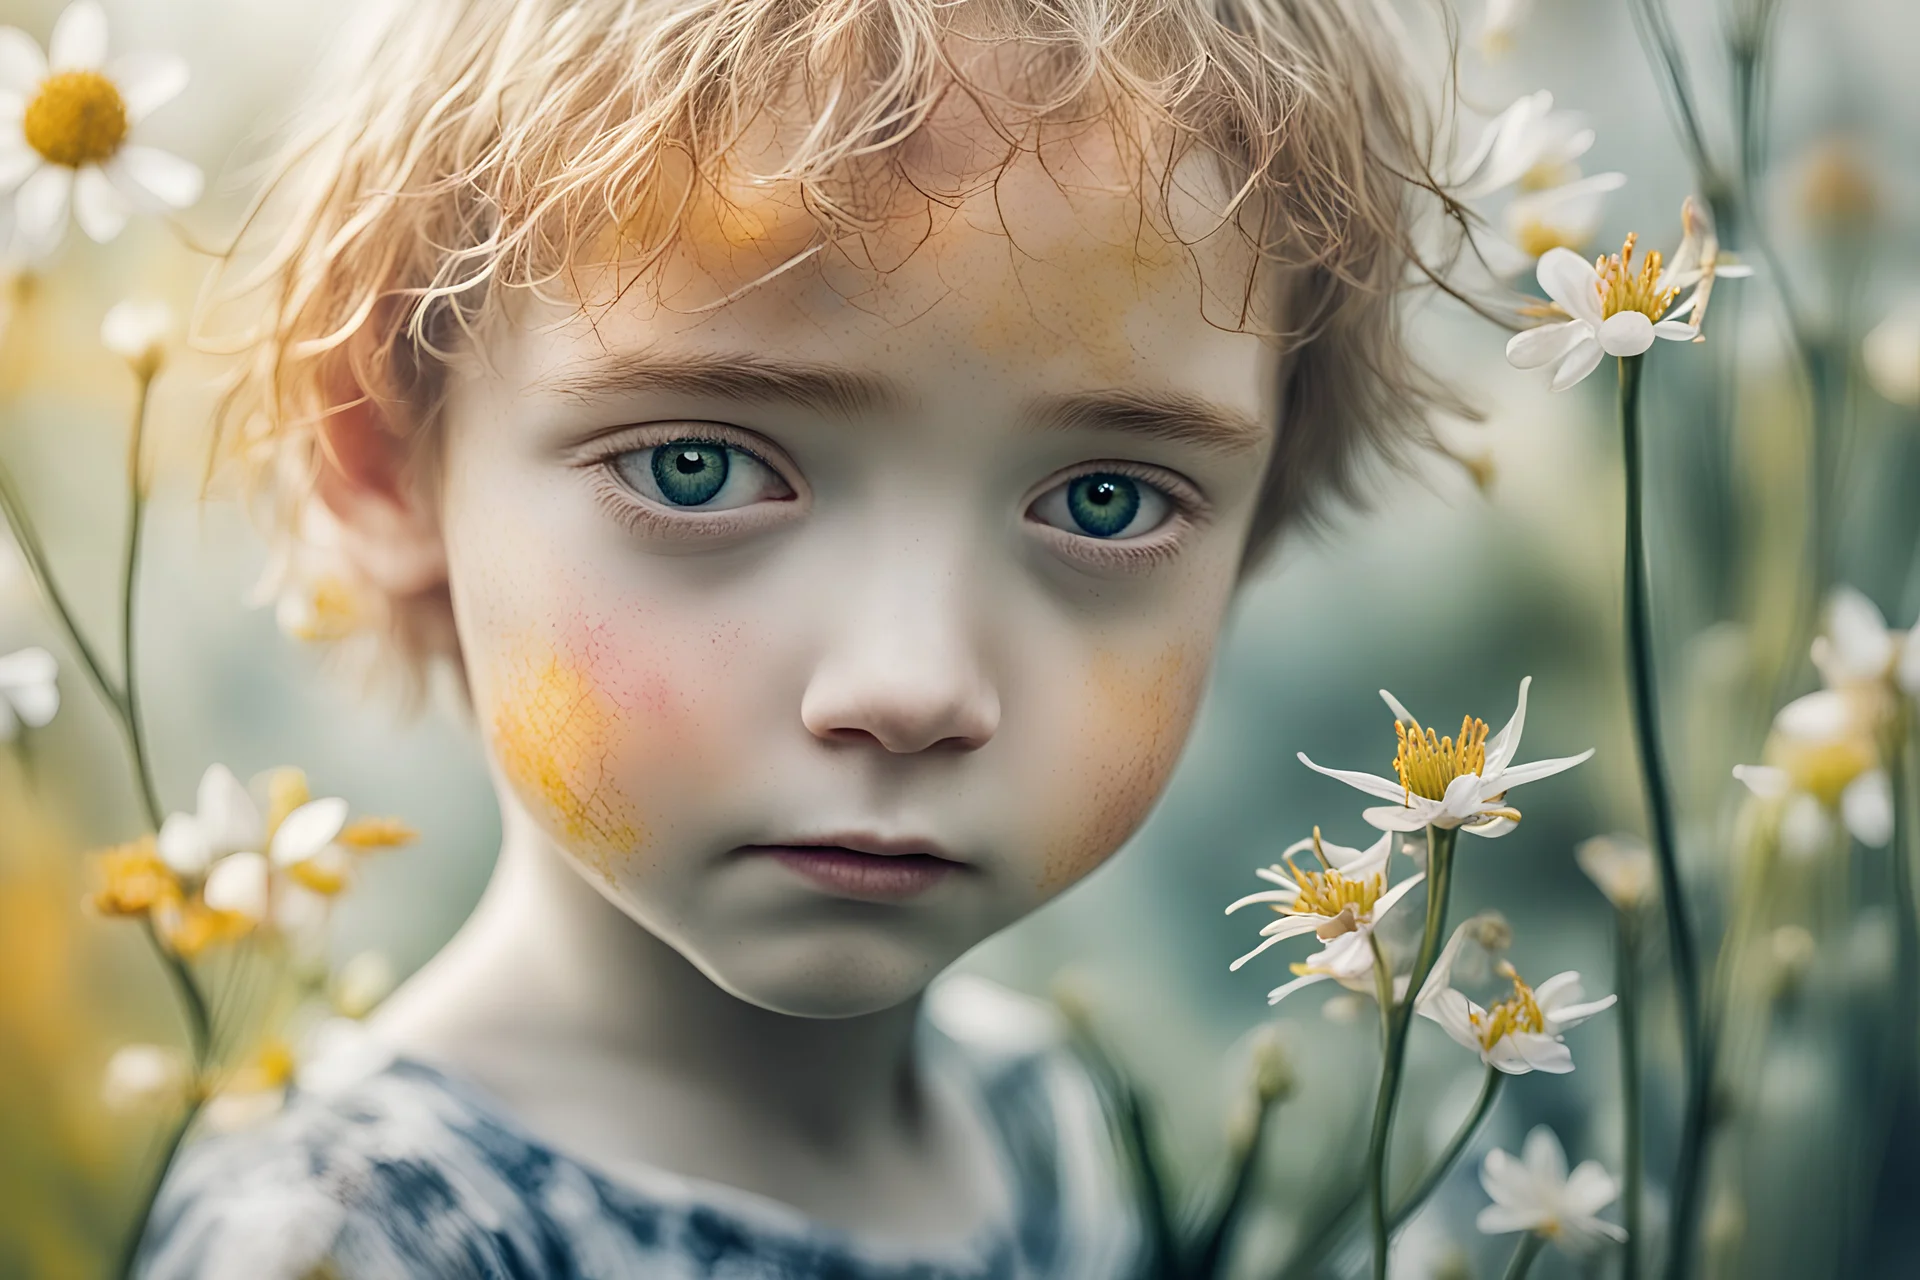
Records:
x=830, y=630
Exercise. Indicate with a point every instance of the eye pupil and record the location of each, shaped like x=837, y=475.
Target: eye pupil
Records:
x=1103, y=505
x=690, y=472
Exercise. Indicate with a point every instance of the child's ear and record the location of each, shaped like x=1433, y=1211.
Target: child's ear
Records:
x=389, y=523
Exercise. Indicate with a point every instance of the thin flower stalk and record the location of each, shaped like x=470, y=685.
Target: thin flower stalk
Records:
x=1627, y=982
x=1524, y=1254
x=1397, y=1020
x=1695, y=1039
x=1437, y=1172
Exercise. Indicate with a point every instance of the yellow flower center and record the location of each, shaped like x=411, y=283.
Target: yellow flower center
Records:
x=1825, y=769
x=1518, y=1012
x=76, y=118
x=132, y=880
x=1623, y=287
x=1427, y=763
x=333, y=611
x=1329, y=893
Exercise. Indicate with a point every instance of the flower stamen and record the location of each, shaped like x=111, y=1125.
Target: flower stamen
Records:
x=76, y=118
x=1426, y=762
x=1625, y=288
x=1519, y=1012
x=1331, y=894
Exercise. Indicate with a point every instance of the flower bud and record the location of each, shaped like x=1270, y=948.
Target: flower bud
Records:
x=137, y=330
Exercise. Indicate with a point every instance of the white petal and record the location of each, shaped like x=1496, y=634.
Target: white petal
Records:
x=1571, y=281
x=1561, y=987
x=21, y=66
x=226, y=812
x=1857, y=631
x=17, y=163
x=183, y=846
x=1501, y=747
x=1498, y=1219
x=307, y=830
x=1271, y=941
x=1399, y=708
x=1462, y=801
x=238, y=883
x=1441, y=974
x=1283, y=927
x=298, y=911
x=1510, y=1182
x=98, y=206
x=1393, y=895
x=1397, y=817
x=1764, y=780
x=29, y=666
x=1866, y=806
x=1281, y=992
x=35, y=703
x=1278, y=897
x=1590, y=1188
x=1676, y=331
x=1521, y=774
x=147, y=81
x=1383, y=788
x=1805, y=829
x=1544, y=344
x=1355, y=863
x=1491, y=829
x=1570, y=1016
x=1818, y=717
x=156, y=179
x=1536, y=1052
x=1581, y=361
x=1626, y=333
x=40, y=210
x=1454, y=1013
x=1544, y=1157
x=79, y=41
x=1732, y=270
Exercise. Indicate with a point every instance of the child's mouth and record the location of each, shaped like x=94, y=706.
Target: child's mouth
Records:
x=882, y=872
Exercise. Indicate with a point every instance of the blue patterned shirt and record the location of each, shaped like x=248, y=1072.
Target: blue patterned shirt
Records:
x=405, y=1171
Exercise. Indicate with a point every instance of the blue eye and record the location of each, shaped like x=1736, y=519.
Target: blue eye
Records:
x=689, y=473
x=1103, y=504
x=703, y=474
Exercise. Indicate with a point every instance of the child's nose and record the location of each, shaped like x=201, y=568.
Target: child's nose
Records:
x=902, y=668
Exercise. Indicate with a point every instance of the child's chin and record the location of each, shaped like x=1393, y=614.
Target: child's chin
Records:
x=819, y=974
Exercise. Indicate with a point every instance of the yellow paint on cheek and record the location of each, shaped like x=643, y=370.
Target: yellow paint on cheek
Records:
x=555, y=736
x=1137, y=721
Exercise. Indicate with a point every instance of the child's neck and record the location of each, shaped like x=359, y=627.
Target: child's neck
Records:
x=608, y=1043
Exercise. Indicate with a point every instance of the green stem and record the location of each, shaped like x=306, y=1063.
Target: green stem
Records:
x=129, y=580
x=1523, y=1256
x=1212, y=1256
x=1437, y=1172
x=1397, y=1021
x=1653, y=777
x=130, y=1248
x=34, y=552
x=1627, y=983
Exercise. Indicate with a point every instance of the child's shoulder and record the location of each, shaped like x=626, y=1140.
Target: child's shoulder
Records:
x=395, y=1168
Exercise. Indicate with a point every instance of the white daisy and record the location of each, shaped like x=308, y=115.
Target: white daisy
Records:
x=1823, y=766
x=1444, y=783
x=65, y=124
x=1341, y=904
x=1614, y=309
x=1536, y=1193
x=1524, y=1032
x=1529, y=145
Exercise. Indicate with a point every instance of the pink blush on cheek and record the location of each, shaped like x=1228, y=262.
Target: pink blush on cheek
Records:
x=1139, y=715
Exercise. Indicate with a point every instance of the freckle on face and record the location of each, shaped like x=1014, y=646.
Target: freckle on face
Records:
x=1138, y=712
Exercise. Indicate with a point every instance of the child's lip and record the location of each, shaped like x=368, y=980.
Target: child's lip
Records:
x=864, y=866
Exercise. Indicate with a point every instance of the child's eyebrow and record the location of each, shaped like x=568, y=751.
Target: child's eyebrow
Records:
x=836, y=390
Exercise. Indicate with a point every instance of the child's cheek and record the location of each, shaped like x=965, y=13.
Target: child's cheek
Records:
x=595, y=734
x=1135, y=713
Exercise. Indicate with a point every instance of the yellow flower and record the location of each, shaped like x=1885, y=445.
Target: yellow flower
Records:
x=132, y=880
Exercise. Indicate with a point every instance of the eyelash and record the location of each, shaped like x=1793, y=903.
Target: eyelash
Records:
x=639, y=514
x=1187, y=509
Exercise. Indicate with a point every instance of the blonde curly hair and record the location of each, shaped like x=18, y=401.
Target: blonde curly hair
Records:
x=478, y=146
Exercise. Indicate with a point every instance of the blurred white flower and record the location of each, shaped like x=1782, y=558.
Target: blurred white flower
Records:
x=1529, y=145
x=1520, y=1034
x=1535, y=1193
x=137, y=330
x=1623, y=868
x=1891, y=354
x=1444, y=783
x=1823, y=767
x=225, y=821
x=314, y=596
x=1562, y=217
x=144, y=1078
x=29, y=690
x=1857, y=650
x=65, y=121
x=1615, y=310
x=1498, y=23
x=1341, y=904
